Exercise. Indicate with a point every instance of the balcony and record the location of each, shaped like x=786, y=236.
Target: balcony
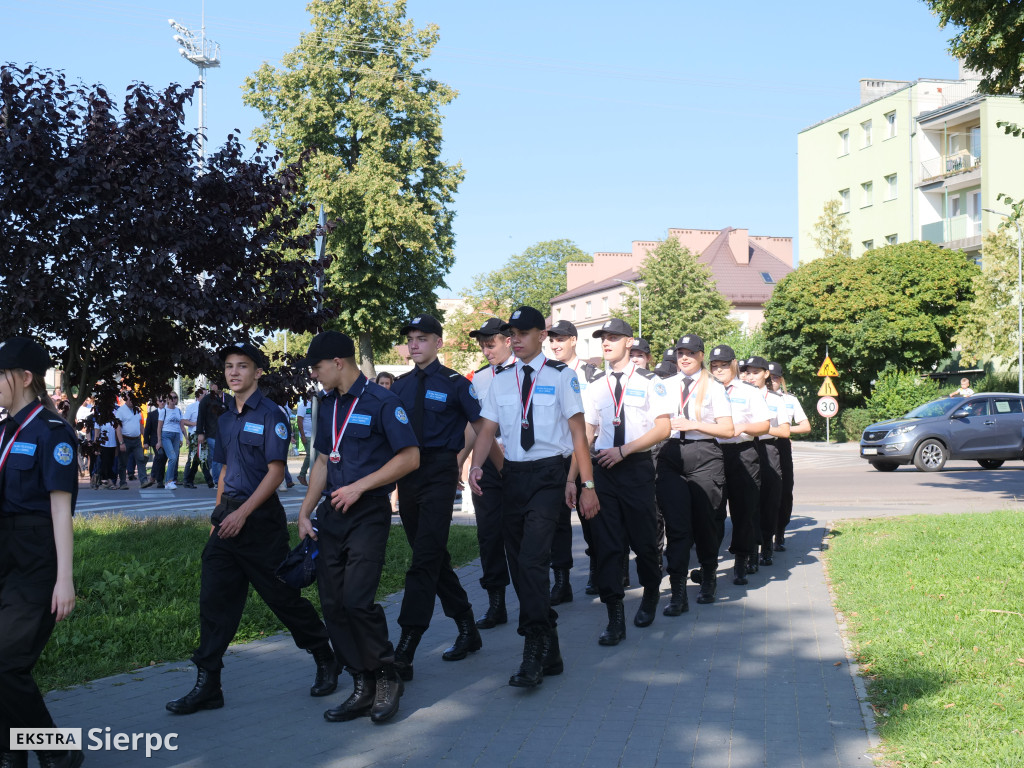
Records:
x=948, y=165
x=956, y=232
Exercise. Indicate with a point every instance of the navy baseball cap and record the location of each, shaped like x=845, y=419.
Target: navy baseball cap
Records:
x=756, y=362
x=492, y=327
x=613, y=326
x=692, y=342
x=27, y=354
x=641, y=345
x=246, y=348
x=563, y=328
x=775, y=369
x=425, y=323
x=722, y=353
x=327, y=346
x=298, y=569
x=525, y=319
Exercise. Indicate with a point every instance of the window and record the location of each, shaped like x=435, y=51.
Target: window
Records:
x=890, y=125
x=844, y=201
x=890, y=187
x=867, y=195
x=974, y=206
x=572, y=310
x=954, y=206
x=975, y=145
x=865, y=128
x=1006, y=405
x=844, y=143
x=589, y=309
x=868, y=245
x=559, y=311
x=604, y=305
x=767, y=278
x=891, y=239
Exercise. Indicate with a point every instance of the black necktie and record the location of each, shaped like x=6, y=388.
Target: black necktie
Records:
x=417, y=406
x=526, y=428
x=687, y=381
x=620, y=416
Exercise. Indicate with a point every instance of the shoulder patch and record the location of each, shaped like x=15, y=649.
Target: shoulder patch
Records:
x=401, y=415
x=281, y=430
x=556, y=365
x=472, y=391
x=575, y=384
x=659, y=389
x=63, y=454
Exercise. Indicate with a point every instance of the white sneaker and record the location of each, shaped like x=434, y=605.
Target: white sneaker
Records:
x=171, y=486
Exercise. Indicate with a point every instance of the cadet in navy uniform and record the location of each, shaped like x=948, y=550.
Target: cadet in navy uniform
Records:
x=627, y=413
x=756, y=373
x=38, y=489
x=750, y=418
x=364, y=444
x=497, y=348
x=537, y=405
x=562, y=337
x=249, y=538
x=691, y=473
x=440, y=403
x=799, y=424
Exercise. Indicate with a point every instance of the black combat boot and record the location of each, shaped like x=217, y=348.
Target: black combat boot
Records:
x=17, y=759
x=615, y=632
x=551, y=661
x=648, y=607
x=326, y=681
x=405, y=650
x=708, y=584
x=389, y=690
x=561, y=590
x=739, y=570
x=358, y=704
x=531, y=671
x=69, y=759
x=678, y=603
x=467, y=642
x=205, y=695
x=752, y=566
x=496, y=613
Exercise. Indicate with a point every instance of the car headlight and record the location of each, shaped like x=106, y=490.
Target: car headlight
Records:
x=902, y=430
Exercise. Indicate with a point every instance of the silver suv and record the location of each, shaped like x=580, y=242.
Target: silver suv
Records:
x=987, y=428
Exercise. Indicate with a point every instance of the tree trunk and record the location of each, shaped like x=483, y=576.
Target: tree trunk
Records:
x=366, y=355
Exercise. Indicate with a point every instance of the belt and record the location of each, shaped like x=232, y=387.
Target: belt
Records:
x=739, y=445
x=527, y=465
x=766, y=439
x=687, y=441
x=19, y=522
x=437, y=451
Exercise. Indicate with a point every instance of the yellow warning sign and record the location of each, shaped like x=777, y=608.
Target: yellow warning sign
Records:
x=828, y=389
x=828, y=368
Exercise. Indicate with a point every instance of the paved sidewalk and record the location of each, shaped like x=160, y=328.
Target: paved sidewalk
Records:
x=759, y=678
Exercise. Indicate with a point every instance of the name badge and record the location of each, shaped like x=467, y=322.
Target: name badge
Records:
x=738, y=400
x=544, y=390
x=25, y=449
x=256, y=429
x=635, y=393
x=360, y=418
x=441, y=397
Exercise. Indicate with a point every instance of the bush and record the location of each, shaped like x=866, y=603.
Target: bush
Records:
x=897, y=392
x=854, y=421
x=992, y=382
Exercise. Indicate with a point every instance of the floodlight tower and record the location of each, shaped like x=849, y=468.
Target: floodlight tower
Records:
x=205, y=54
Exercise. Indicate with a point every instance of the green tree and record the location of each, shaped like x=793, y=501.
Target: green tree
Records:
x=531, y=278
x=898, y=305
x=355, y=97
x=831, y=234
x=990, y=324
x=460, y=351
x=990, y=40
x=897, y=392
x=679, y=296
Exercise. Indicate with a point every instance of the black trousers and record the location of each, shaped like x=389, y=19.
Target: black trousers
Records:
x=785, y=446
x=425, y=500
x=28, y=573
x=534, y=497
x=771, y=489
x=231, y=565
x=487, y=507
x=743, y=492
x=348, y=570
x=628, y=520
x=690, y=487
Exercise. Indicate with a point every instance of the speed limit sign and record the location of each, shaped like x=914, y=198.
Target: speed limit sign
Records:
x=827, y=407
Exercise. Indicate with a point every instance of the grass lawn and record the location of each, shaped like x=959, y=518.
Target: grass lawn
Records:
x=138, y=595
x=936, y=605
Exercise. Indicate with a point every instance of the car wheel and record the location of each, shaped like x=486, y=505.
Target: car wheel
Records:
x=930, y=456
x=990, y=463
x=884, y=466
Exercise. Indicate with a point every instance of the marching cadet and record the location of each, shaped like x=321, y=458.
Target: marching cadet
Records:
x=627, y=412
x=440, y=403
x=799, y=425
x=364, y=444
x=536, y=403
x=691, y=473
x=38, y=490
x=750, y=418
x=756, y=373
x=640, y=353
x=562, y=338
x=249, y=537
x=496, y=347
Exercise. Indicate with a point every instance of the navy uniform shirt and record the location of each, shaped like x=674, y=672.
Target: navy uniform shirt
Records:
x=248, y=441
x=41, y=460
x=450, y=403
x=377, y=429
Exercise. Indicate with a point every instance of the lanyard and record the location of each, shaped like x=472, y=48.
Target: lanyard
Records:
x=7, y=450
x=336, y=453
x=533, y=386
x=618, y=403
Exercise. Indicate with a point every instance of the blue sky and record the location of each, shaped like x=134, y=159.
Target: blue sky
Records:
x=596, y=121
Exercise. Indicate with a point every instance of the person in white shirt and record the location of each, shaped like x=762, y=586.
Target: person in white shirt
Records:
x=133, y=457
x=799, y=425
x=171, y=432
x=965, y=388
x=691, y=473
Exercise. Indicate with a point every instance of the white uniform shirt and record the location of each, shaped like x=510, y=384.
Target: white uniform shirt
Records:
x=643, y=400
x=715, y=406
x=776, y=408
x=131, y=422
x=794, y=413
x=556, y=397
x=747, y=405
x=576, y=366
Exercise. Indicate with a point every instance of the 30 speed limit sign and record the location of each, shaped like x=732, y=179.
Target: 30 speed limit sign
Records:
x=827, y=407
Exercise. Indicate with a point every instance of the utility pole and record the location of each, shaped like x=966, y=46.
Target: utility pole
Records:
x=205, y=54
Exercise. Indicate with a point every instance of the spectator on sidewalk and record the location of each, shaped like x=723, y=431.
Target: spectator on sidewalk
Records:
x=132, y=455
x=198, y=454
x=171, y=431
x=151, y=440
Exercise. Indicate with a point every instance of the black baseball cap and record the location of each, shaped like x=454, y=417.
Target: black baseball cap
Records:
x=613, y=326
x=665, y=370
x=722, y=353
x=563, y=328
x=641, y=345
x=775, y=369
x=756, y=362
x=425, y=323
x=492, y=327
x=525, y=319
x=327, y=346
x=244, y=348
x=669, y=356
x=692, y=342
x=27, y=354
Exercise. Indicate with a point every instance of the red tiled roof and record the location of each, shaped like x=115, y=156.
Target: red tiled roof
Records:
x=604, y=285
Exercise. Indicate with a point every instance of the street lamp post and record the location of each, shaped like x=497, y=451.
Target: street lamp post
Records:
x=205, y=54
x=640, y=306
x=1020, y=303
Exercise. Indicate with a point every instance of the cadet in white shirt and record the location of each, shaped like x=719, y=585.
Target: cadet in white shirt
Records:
x=691, y=473
x=799, y=425
x=627, y=413
x=750, y=418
